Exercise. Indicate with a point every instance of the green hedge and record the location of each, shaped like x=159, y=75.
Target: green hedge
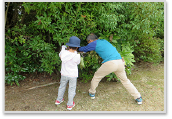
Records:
x=34, y=36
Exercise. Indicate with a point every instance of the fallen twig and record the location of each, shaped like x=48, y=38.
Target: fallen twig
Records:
x=41, y=86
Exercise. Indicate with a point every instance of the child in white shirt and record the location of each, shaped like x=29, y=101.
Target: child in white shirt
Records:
x=69, y=71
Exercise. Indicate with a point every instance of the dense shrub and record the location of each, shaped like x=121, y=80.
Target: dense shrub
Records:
x=35, y=31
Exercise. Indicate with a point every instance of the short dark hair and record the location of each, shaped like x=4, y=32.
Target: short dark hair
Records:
x=73, y=48
x=92, y=36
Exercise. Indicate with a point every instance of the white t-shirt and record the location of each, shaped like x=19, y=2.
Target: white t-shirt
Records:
x=70, y=62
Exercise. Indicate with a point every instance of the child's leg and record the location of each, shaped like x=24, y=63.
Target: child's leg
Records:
x=121, y=74
x=71, y=90
x=62, y=87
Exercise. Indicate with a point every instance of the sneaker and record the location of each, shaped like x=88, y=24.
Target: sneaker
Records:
x=70, y=107
x=92, y=95
x=139, y=100
x=58, y=102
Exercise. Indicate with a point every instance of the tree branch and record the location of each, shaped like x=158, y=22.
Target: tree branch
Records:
x=6, y=12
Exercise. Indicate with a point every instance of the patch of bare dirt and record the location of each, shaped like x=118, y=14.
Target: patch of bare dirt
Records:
x=39, y=93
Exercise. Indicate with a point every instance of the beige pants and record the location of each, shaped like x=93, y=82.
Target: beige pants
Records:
x=116, y=66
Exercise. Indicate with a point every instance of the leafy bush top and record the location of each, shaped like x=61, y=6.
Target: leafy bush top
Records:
x=34, y=32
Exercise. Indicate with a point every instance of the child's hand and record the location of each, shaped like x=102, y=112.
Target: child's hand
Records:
x=63, y=46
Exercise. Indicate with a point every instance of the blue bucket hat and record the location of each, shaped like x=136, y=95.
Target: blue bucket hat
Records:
x=74, y=42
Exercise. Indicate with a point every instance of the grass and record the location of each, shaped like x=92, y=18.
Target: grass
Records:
x=110, y=96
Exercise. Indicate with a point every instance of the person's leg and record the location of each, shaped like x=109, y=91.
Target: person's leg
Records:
x=105, y=69
x=71, y=90
x=121, y=74
x=62, y=88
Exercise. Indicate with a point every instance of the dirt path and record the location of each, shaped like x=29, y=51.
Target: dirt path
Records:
x=110, y=96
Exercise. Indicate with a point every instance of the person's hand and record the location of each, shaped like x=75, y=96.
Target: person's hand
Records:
x=123, y=59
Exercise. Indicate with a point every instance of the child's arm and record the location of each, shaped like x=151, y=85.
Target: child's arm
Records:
x=63, y=49
x=77, y=59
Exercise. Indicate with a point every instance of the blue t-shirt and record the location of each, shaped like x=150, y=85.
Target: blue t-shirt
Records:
x=103, y=48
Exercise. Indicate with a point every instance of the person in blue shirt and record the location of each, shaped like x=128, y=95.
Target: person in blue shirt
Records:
x=112, y=62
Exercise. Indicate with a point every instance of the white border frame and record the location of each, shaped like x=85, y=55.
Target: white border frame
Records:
x=95, y=112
